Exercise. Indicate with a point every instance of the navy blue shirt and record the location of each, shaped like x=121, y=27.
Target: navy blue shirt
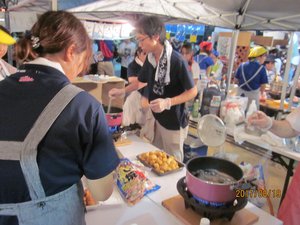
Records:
x=134, y=70
x=78, y=143
x=180, y=81
x=250, y=69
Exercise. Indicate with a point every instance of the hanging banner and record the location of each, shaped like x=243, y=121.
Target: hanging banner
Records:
x=168, y=35
x=193, y=38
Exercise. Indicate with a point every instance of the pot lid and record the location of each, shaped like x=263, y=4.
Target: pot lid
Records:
x=211, y=130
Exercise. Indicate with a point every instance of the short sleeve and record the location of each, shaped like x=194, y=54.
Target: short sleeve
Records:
x=264, y=76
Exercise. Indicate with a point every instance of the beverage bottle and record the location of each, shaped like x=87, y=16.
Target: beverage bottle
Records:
x=195, y=111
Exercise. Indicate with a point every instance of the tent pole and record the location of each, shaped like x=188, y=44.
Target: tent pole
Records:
x=233, y=45
x=294, y=87
x=286, y=74
x=9, y=51
x=54, y=5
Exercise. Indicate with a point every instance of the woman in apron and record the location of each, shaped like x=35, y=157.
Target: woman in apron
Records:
x=251, y=76
x=51, y=132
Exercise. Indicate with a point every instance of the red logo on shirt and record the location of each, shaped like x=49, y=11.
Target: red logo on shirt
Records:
x=26, y=79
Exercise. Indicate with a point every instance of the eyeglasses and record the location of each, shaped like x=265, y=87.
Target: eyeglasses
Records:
x=142, y=39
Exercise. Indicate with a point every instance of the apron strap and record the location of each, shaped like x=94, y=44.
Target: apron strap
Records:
x=10, y=150
x=36, y=134
x=248, y=81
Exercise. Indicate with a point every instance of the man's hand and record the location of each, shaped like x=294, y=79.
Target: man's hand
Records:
x=116, y=93
x=160, y=104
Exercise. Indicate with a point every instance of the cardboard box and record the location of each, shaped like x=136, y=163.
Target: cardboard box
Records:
x=100, y=88
x=243, y=38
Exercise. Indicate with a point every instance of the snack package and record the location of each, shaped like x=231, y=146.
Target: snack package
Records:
x=132, y=182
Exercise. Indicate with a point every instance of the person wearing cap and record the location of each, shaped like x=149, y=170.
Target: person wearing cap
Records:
x=270, y=67
x=278, y=63
x=5, y=40
x=251, y=76
x=204, y=60
x=216, y=70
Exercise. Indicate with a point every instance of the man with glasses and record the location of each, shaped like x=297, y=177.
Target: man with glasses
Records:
x=170, y=85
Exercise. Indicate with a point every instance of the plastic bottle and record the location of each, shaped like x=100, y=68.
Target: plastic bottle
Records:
x=196, y=106
x=252, y=109
x=204, y=221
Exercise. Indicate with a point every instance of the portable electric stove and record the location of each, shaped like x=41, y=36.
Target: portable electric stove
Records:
x=211, y=210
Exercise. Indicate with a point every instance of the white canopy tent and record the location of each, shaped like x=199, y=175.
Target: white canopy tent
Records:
x=238, y=15
x=232, y=14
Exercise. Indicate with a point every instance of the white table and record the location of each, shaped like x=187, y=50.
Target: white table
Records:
x=150, y=206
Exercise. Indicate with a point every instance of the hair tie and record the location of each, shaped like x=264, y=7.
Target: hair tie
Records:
x=28, y=34
x=35, y=41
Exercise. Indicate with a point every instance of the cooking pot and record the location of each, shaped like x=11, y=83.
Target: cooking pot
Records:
x=215, y=189
x=114, y=118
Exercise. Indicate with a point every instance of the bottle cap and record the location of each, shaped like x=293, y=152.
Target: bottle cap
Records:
x=204, y=221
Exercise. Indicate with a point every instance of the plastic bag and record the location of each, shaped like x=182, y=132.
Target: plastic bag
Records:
x=132, y=182
x=233, y=110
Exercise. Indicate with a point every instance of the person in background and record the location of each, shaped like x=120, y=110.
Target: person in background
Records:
x=176, y=44
x=105, y=66
x=278, y=63
x=289, y=127
x=6, y=39
x=126, y=51
x=132, y=108
x=251, y=76
x=204, y=60
x=216, y=70
x=270, y=68
x=169, y=85
x=193, y=66
x=51, y=132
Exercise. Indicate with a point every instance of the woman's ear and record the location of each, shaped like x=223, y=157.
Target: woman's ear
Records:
x=69, y=53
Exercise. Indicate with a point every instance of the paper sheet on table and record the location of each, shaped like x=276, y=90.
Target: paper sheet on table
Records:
x=240, y=136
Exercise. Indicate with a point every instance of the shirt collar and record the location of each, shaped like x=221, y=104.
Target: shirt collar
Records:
x=47, y=62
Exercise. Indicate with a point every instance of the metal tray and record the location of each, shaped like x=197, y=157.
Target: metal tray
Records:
x=180, y=164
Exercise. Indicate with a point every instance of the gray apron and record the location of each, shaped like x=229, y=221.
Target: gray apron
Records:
x=252, y=94
x=63, y=208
